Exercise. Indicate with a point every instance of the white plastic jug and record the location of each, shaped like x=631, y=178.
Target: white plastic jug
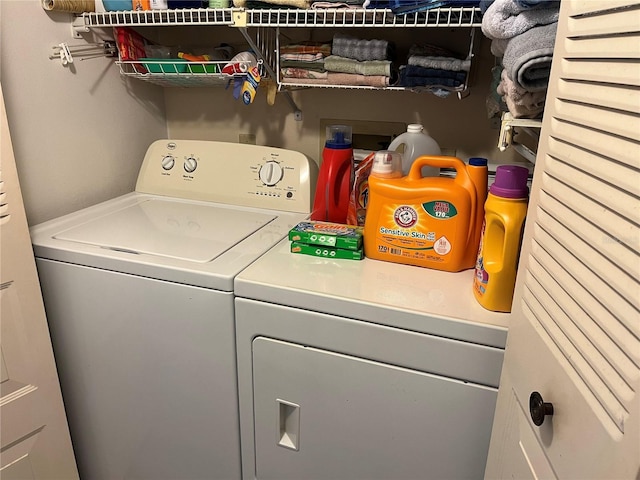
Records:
x=416, y=143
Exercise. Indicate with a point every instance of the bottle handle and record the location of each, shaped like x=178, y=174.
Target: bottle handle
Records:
x=496, y=253
x=333, y=191
x=493, y=252
x=510, y=236
x=438, y=161
x=395, y=143
x=462, y=178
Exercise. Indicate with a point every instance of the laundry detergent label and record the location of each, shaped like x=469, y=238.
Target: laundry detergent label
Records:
x=481, y=277
x=440, y=209
x=418, y=232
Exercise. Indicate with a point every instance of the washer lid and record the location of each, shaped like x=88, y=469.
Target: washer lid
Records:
x=166, y=228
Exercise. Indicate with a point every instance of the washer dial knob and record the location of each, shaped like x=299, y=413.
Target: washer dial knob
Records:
x=270, y=173
x=190, y=164
x=168, y=162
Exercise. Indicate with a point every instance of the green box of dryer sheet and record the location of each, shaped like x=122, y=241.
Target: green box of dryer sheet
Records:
x=329, y=234
x=326, y=252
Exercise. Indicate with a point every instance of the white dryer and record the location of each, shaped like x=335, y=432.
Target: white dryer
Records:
x=138, y=292
x=363, y=370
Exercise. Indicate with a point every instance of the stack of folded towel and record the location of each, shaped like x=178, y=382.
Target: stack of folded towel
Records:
x=433, y=66
x=304, y=62
x=358, y=62
x=523, y=35
x=344, y=61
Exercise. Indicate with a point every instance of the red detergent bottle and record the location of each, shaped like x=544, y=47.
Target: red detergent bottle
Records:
x=331, y=200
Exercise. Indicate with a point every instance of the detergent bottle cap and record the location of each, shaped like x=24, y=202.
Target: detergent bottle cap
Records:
x=478, y=162
x=415, y=128
x=510, y=182
x=387, y=163
x=338, y=137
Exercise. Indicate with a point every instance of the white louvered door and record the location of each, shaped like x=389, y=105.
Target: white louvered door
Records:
x=575, y=332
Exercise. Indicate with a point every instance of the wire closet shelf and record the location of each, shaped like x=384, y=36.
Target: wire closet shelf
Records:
x=359, y=17
x=265, y=24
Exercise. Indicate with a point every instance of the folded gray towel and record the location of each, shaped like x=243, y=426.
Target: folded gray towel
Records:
x=498, y=45
x=506, y=18
x=444, y=63
x=362, y=50
x=527, y=58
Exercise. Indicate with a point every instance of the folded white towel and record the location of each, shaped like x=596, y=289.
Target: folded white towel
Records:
x=518, y=96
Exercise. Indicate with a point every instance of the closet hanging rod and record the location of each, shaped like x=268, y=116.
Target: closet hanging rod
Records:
x=66, y=52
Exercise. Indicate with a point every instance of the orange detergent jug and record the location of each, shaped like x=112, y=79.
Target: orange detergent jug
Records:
x=427, y=221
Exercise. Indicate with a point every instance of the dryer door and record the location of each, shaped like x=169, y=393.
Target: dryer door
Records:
x=319, y=414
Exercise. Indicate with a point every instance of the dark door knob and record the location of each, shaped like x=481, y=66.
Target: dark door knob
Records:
x=538, y=408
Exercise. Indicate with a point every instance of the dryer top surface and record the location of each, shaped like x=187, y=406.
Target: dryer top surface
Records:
x=403, y=296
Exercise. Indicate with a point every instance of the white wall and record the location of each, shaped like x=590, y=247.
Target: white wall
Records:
x=80, y=132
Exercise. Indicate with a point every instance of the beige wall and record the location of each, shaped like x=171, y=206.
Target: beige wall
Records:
x=80, y=132
x=457, y=124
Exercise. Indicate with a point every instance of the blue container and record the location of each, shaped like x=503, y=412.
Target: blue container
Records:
x=114, y=5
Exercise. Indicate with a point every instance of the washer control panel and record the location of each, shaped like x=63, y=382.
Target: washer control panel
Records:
x=231, y=173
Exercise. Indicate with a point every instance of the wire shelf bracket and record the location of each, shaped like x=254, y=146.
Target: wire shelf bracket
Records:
x=506, y=140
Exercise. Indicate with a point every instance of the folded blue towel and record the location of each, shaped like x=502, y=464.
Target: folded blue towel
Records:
x=484, y=5
x=415, y=76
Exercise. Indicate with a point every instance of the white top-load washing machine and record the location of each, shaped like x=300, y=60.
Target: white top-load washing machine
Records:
x=138, y=292
x=363, y=370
